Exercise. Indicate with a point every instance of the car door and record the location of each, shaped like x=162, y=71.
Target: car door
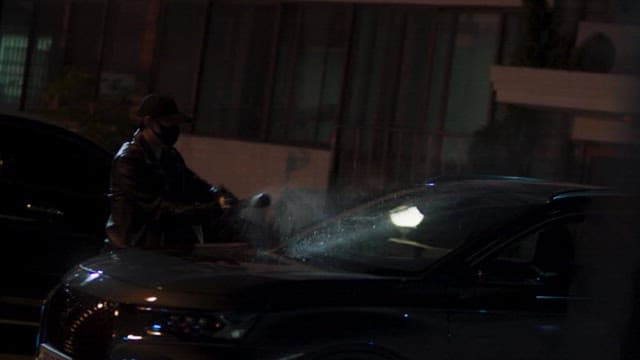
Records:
x=514, y=304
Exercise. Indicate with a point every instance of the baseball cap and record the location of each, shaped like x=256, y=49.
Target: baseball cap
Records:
x=162, y=108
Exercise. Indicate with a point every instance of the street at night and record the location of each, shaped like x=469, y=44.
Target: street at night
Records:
x=320, y=180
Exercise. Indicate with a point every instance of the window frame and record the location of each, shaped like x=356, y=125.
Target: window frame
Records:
x=491, y=252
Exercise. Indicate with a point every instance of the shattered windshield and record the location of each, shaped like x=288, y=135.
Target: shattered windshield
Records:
x=407, y=231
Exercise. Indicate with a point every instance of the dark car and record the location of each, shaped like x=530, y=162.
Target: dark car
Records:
x=469, y=269
x=53, y=186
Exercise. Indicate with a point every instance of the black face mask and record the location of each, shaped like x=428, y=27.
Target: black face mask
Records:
x=167, y=134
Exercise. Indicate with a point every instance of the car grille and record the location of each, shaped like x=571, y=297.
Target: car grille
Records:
x=81, y=326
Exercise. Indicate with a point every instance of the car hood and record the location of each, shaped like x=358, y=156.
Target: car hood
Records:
x=150, y=269
x=144, y=277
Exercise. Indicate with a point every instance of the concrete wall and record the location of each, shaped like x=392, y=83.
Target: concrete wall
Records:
x=615, y=130
x=567, y=90
x=246, y=168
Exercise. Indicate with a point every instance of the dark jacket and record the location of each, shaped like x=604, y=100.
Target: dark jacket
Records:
x=155, y=202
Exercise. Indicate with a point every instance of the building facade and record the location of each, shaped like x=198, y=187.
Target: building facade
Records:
x=352, y=96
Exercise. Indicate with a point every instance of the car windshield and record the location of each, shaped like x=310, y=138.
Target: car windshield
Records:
x=406, y=231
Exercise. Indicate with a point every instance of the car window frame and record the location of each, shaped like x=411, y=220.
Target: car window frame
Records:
x=496, y=246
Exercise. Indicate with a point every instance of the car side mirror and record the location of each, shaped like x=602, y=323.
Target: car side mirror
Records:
x=505, y=271
x=462, y=277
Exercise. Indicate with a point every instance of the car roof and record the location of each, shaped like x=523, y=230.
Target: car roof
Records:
x=538, y=190
x=44, y=125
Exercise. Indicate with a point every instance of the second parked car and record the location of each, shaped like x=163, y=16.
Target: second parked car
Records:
x=53, y=206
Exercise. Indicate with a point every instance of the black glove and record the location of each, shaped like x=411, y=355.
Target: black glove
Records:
x=224, y=197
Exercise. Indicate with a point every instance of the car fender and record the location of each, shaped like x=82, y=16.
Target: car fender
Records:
x=390, y=333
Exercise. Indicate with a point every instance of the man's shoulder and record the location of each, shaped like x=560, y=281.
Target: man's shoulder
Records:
x=130, y=149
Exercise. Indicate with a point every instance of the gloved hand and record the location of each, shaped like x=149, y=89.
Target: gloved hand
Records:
x=224, y=197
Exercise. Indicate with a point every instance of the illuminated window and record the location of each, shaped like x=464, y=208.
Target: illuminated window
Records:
x=13, y=54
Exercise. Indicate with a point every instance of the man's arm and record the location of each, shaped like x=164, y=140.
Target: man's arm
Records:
x=129, y=179
x=201, y=189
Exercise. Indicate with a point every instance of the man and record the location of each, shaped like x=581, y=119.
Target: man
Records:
x=155, y=198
